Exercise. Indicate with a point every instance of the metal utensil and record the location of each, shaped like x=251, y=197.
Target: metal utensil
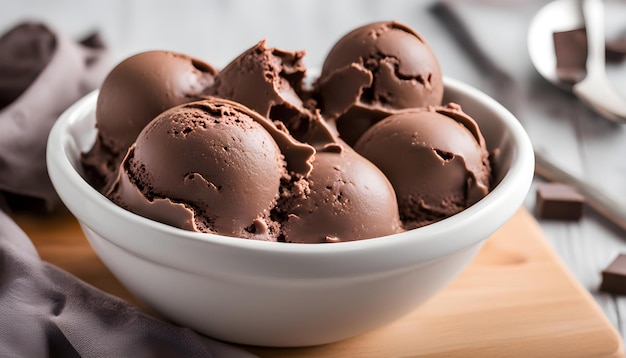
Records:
x=595, y=89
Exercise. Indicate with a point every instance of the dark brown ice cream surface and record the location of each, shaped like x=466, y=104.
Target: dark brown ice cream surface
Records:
x=374, y=70
x=135, y=91
x=348, y=199
x=204, y=166
x=271, y=82
x=249, y=151
x=435, y=158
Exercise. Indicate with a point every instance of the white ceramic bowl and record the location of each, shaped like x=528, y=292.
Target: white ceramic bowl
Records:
x=279, y=294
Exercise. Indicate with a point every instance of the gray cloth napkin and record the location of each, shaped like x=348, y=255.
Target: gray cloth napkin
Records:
x=45, y=311
x=42, y=73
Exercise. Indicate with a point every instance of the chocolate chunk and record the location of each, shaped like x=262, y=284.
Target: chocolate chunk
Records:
x=571, y=53
x=616, y=49
x=559, y=202
x=614, y=276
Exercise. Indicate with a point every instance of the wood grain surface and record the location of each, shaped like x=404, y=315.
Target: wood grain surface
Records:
x=516, y=299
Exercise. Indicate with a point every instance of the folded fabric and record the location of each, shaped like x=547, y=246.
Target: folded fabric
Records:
x=45, y=311
x=42, y=73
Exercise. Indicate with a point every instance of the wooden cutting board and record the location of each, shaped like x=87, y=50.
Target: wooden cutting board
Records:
x=516, y=299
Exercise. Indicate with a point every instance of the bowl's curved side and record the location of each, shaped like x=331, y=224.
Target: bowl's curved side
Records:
x=278, y=314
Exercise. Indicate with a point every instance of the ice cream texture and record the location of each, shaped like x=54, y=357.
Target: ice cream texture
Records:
x=348, y=199
x=271, y=82
x=436, y=159
x=135, y=91
x=251, y=152
x=373, y=71
x=210, y=166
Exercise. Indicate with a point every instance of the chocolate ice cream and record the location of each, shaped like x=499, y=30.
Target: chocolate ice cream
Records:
x=216, y=166
x=373, y=71
x=270, y=81
x=251, y=152
x=436, y=159
x=135, y=91
x=210, y=166
x=348, y=199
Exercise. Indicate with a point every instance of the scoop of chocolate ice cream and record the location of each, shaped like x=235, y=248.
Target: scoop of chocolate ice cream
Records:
x=135, y=91
x=373, y=71
x=435, y=158
x=270, y=81
x=210, y=166
x=348, y=199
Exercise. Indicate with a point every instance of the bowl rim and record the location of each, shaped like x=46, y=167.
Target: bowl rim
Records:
x=518, y=177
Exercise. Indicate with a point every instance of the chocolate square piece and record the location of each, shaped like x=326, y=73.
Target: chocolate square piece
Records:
x=616, y=49
x=570, y=48
x=559, y=202
x=614, y=276
x=571, y=54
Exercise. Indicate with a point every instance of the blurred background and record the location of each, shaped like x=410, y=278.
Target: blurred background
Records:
x=217, y=31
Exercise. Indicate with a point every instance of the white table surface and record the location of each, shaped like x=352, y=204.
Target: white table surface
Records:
x=217, y=31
